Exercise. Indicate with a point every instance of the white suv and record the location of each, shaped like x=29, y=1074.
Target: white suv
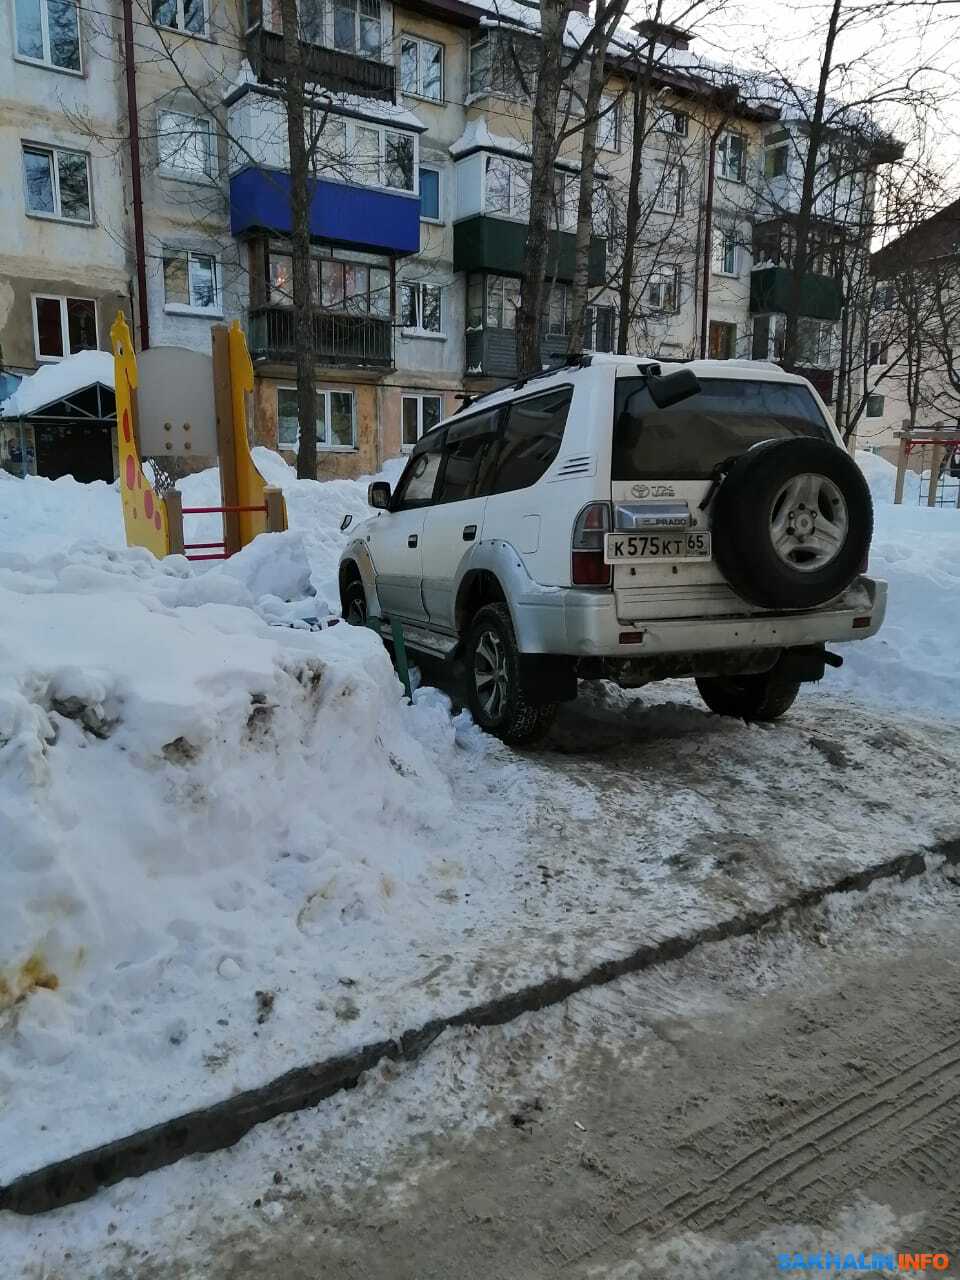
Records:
x=618, y=519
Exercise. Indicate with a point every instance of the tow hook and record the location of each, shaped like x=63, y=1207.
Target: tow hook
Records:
x=832, y=659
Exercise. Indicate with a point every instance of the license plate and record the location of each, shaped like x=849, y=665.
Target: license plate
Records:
x=619, y=547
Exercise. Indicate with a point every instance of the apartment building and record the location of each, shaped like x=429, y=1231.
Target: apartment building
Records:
x=420, y=132
x=912, y=371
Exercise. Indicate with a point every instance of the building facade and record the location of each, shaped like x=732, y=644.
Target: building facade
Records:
x=159, y=185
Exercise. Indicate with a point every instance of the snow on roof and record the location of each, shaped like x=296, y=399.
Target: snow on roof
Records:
x=52, y=382
x=477, y=136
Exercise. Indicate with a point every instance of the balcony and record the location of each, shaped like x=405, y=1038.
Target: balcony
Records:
x=324, y=68
x=350, y=342
x=483, y=243
x=364, y=218
x=492, y=353
x=770, y=291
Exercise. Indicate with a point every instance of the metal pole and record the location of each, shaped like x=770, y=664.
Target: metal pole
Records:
x=130, y=71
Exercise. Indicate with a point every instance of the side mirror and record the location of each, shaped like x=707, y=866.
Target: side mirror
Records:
x=345, y=523
x=378, y=495
x=672, y=387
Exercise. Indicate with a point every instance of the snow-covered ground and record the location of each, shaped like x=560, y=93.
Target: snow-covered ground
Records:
x=231, y=848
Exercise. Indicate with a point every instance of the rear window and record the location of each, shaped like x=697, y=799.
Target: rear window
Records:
x=726, y=417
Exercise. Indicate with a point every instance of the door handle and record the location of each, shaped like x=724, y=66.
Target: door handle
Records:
x=412, y=540
x=469, y=532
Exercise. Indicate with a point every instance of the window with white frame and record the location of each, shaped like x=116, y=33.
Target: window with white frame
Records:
x=63, y=326
x=663, y=288
x=336, y=423
x=566, y=194
x=726, y=253
x=599, y=324
x=419, y=414
x=378, y=157
x=186, y=145
x=181, y=15
x=732, y=157
x=879, y=353
x=421, y=68
x=608, y=124
x=559, y=310
x=421, y=306
x=776, y=154
x=492, y=301
x=505, y=63
x=357, y=27
x=429, y=194
x=57, y=183
x=507, y=187
x=814, y=343
x=669, y=197
x=191, y=281
x=48, y=32
x=669, y=121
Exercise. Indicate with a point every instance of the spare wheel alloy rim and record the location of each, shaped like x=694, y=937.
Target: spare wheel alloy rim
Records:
x=490, y=675
x=809, y=522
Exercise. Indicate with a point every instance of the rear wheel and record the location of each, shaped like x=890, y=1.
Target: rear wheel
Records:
x=756, y=697
x=494, y=688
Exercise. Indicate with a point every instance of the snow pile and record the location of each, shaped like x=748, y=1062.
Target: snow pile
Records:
x=315, y=510
x=39, y=515
x=881, y=476
x=194, y=804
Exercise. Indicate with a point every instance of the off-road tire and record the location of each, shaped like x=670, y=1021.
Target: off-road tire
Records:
x=744, y=510
x=519, y=723
x=353, y=602
x=763, y=697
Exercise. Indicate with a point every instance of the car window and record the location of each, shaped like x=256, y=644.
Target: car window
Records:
x=467, y=455
x=419, y=479
x=531, y=439
x=686, y=441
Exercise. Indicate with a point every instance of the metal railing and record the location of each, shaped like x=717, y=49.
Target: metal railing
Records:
x=324, y=68
x=349, y=340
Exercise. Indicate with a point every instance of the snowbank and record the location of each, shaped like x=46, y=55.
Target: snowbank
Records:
x=195, y=805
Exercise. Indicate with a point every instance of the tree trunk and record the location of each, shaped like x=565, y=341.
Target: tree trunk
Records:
x=641, y=94
x=808, y=190
x=300, y=242
x=588, y=167
x=550, y=75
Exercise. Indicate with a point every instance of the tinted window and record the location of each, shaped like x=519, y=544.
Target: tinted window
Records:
x=531, y=439
x=417, y=482
x=467, y=457
x=727, y=417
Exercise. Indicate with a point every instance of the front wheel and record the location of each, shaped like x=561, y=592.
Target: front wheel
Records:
x=494, y=690
x=758, y=697
x=353, y=602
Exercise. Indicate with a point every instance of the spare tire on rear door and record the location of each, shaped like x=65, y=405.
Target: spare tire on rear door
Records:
x=792, y=523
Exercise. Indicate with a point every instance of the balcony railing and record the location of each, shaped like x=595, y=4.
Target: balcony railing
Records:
x=324, y=68
x=361, y=341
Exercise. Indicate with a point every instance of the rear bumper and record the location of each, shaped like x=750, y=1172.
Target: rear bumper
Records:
x=585, y=623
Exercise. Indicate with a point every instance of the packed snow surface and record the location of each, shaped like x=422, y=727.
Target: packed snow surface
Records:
x=231, y=848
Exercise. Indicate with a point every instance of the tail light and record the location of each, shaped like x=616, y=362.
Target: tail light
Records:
x=588, y=568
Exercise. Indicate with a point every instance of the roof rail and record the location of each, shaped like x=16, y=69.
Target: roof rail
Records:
x=577, y=360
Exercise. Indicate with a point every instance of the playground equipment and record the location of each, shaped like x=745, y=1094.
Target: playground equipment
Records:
x=939, y=463
x=175, y=403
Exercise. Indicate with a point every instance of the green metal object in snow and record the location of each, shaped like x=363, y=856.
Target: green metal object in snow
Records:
x=399, y=649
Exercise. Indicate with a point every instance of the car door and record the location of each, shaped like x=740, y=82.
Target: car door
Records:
x=454, y=521
x=394, y=541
